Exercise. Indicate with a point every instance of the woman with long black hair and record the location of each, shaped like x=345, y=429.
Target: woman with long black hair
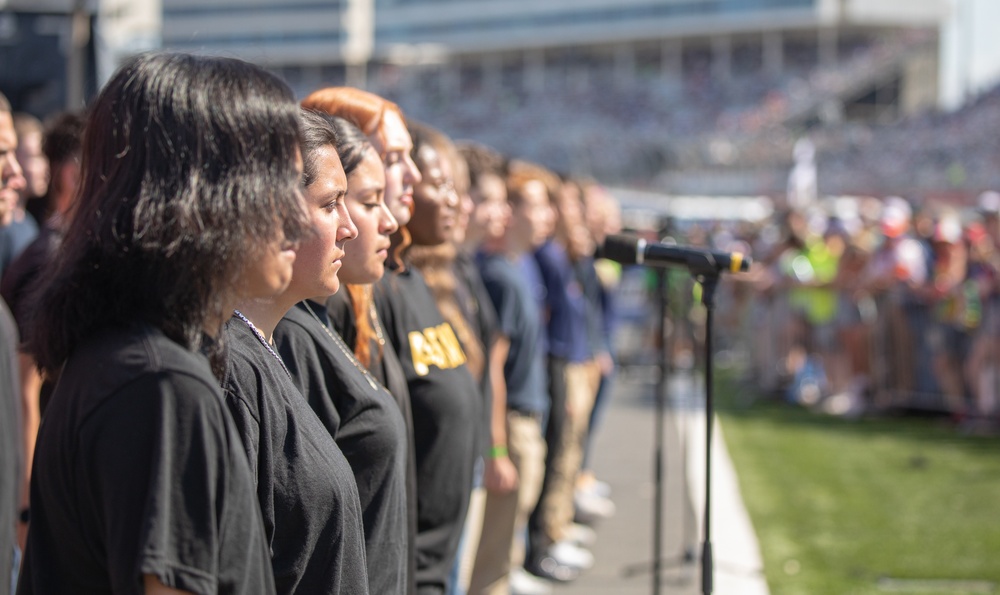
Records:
x=140, y=481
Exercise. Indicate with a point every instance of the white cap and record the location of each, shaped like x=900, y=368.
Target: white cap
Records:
x=989, y=201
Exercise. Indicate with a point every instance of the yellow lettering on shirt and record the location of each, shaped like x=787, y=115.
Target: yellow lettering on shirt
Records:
x=452, y=348
x=435, y=346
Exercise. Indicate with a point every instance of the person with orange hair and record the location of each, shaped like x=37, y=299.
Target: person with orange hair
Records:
x=384, y=124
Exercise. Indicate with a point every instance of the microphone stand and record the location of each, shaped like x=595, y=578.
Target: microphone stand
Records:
x=658, y=455
x=709, y=281
x=687, y=556
x=659, y=563
x=704, y=267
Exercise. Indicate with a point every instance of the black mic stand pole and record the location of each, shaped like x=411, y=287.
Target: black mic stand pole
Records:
x=658, y=456
x=709, y=282
x=666, y=341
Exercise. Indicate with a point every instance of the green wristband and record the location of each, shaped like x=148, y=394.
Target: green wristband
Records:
x=498, y=451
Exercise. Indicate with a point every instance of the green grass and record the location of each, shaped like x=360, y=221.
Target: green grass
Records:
x=839, y=505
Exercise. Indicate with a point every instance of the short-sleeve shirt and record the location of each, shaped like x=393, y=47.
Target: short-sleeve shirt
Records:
x=445, y=402
x=385, y=367
x=566, y=324
x=305, y=487
x=478, y=311
x=520, y=321
x=139, y=470
x=368, y=426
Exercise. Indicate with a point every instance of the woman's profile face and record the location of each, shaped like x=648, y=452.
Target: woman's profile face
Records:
x=401, y=174
x=435, y=201
x=320, y=254
x=366, y=255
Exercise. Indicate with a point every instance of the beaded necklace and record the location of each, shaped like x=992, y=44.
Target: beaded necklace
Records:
x=339, y=342
x=263, y=341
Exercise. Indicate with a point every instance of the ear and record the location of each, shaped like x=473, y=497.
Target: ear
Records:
x=66, y=178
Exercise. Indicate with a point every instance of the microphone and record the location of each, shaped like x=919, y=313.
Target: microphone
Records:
x=634, y=250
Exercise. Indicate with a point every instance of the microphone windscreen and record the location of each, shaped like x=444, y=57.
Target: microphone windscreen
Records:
x=621, y=248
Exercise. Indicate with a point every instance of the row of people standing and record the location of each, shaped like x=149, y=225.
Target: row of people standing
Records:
x=356, y=414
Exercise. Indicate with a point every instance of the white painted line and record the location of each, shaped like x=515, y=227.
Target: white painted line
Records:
x=737, y=561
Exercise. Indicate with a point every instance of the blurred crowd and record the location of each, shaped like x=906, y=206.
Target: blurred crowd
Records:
x=868, y=305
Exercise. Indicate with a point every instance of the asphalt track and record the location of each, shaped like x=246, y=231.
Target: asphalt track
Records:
x=624, y=457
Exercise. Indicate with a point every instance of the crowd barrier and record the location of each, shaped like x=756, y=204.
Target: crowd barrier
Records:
x=887, y=352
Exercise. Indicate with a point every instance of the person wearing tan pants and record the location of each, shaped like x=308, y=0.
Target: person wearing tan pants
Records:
x=507, y=513
x=507, y=269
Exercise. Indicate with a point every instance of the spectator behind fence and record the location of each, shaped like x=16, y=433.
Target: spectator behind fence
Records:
x=982, y=375
x=141, y=482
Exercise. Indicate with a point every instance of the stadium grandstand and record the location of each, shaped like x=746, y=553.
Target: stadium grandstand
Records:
x=694, y=96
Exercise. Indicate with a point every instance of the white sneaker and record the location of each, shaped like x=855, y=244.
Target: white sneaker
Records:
x=581, y=535
x=572, y=555
x=595, y=486
x=523, y=582
x=591, y=507
x=601, y=488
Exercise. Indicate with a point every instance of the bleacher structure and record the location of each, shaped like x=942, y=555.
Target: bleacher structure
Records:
x=695, y=96
x=633, y=91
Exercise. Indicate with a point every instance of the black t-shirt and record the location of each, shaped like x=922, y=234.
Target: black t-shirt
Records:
x=366, y=423
x=478, y=310
x=446, y=409
x=389, y=373
x=139, y=470
x=306, y=490
x=521, y=320
x=11, y=450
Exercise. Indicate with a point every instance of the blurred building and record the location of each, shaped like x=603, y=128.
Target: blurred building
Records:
x=622, y=89
x=308, y=42
x=46, y=53
x=54, y=54
x=450, y=43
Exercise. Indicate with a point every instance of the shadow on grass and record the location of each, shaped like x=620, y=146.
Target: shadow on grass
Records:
x=925, y=430
x=738, y=399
